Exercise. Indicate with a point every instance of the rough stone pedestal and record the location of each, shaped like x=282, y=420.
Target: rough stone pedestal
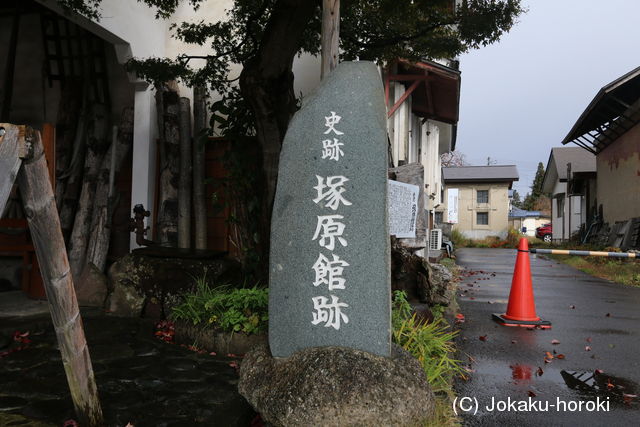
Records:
x=336, y=386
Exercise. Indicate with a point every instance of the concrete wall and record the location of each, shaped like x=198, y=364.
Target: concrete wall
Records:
x=618, y=182
x=468, y=207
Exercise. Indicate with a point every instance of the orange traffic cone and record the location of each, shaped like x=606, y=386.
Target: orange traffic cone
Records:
x=521, y=310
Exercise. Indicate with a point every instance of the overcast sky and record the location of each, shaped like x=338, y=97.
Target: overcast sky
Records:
x=521, y=96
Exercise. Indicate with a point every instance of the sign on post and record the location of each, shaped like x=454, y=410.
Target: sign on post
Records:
x=403, y=209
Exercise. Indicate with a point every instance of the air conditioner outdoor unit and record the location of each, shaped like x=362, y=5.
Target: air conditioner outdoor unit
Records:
x=435, y=239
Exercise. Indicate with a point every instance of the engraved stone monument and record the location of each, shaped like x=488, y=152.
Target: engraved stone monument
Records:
x=329, y=264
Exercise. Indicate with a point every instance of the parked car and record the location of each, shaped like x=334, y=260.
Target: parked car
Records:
x=544, y=232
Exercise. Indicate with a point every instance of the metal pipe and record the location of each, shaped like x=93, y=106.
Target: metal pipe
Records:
x=585, y=253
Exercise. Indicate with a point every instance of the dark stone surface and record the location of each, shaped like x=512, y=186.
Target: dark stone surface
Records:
x=150, y=286
x=354, y=92
x=140, y=379
x=423, y=282
x=336, y=386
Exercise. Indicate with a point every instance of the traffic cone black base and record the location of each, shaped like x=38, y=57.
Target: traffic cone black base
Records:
x=542, y=324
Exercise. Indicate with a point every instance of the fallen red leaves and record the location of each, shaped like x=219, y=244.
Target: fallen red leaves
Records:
x=483, y=338
x=23, y=340
x=165, y=331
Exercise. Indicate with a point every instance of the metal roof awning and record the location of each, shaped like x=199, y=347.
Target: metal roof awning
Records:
x=611, y=113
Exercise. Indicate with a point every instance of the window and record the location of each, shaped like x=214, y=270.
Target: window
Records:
x=483, y=196
x=439, y=217
x=560, y=206
x=482, y=218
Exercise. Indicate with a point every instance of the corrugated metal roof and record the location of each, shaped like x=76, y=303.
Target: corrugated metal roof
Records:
x=481, y=173
x=581, y=160
x=613, y=108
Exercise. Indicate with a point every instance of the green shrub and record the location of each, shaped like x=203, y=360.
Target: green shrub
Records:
x=459, y=240
x=226, y=308
x=429, y=342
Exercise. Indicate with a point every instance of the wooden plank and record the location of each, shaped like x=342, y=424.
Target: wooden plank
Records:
x=330, y=36
x=44, y=224
x=10, y=161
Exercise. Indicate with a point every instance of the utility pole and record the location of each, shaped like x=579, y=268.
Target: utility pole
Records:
x=330, y=36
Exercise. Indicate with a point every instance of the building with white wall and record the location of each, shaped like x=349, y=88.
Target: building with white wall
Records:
x=570, y=181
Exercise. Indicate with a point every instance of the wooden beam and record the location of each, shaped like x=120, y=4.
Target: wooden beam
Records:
x=44, y=225
x=330, y=36
x=408, y=77
x=10, y=161
x=403, y=98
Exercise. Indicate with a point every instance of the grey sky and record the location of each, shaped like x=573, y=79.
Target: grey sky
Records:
x=521, y=96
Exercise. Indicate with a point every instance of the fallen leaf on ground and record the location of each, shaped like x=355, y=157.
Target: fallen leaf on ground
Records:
x=587, y=348
x=588, y=339
x=483, y=337
x=609, y=384
x=559, y=356
x=539, y=372
x=599, y=371
x=531, y=394
x=555, y=342
x=572, y=307
x=608, y=315
x=514, y=342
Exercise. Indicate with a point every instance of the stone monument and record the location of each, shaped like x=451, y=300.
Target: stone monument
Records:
x=330, y=359
x=329, y=263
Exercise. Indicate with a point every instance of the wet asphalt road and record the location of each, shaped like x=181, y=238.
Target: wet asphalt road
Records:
x=584, y=311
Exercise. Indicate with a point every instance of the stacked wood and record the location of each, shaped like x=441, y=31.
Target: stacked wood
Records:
x=200, y=133
x=105, y=198
x=97, y=144
x=184, y=183
x=44, y=226
x=169, y=124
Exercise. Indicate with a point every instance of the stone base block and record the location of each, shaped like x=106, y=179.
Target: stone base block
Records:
x=336, y=386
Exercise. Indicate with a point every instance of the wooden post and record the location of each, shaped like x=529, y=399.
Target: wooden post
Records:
x=330, y=36
x=10, y=160
x=44, y=225
x=184, y=180
x=199, y=140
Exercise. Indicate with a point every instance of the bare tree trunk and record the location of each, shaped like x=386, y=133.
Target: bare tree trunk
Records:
x=184, y=182
x=66, y=127
x=96, y=146
x=169, y=170
x=73, y=172
x=199, y=137
x=266, y=83
x=50, y=249
x=98, y=246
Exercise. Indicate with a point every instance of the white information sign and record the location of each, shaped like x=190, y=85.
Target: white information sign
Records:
x=452, y=205
x=403, y=209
